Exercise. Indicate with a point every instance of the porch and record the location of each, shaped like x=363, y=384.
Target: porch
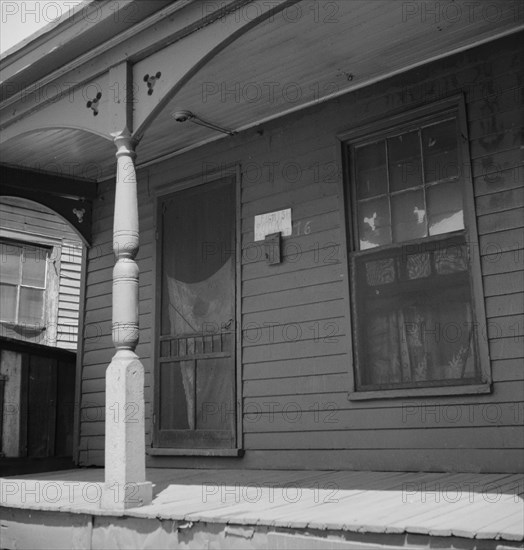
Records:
x=267, y=509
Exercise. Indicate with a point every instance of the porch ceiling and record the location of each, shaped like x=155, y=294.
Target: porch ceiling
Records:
x=68, y=152
x=312, y=51
x=308, y=52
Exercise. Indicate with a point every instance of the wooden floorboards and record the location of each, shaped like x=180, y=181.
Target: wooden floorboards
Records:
x=472, y=506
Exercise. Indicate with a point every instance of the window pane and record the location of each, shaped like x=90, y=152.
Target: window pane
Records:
x=34, y=266
x=371, y=170
x=439, y=143
x=31, y=306
x=409, y=216
x=214, y=394
x=10, y=263
x=417, y=337
x=8, y=302
x=374, y=226
x=198, y=268
x=445, y=208
x=451, y=259
x=380, y=272
x=177, y=391
x=418, y=265
x=404, y=161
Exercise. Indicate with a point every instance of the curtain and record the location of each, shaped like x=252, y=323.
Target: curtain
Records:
x=418, y=343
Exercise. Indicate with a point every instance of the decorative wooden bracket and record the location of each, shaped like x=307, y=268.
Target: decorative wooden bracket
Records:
x=151, y=80
x=79, y=213
x=93, y=103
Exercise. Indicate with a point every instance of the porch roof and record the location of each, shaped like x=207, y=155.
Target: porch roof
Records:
x=250, y=67
x=347, y=503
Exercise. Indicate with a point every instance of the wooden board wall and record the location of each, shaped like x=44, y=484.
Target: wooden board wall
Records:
x=27, y=221
x=296, y=413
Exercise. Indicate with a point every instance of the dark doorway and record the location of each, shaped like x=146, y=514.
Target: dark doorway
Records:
x=195, y=379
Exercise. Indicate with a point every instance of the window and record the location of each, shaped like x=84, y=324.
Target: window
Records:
x=23, y=274
x=412, y=272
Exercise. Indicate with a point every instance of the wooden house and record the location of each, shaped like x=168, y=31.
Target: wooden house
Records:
x=316, y=213
x=41, y=264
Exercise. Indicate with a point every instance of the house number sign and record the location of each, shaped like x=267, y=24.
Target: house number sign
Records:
x=273, y=222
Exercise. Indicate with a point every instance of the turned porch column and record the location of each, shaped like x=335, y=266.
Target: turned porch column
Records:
x=125, y=483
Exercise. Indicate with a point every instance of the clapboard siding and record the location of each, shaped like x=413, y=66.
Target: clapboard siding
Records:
x=501, y=201
x=298, y=259
x=509, y=304
x=27, y=221
x=503, y=283
x=495, y=143
x=304, y=211
x=502, y=262
x=69, y=296
x=508, y=369
x=329, y=364
x=403, y=460
x=322, y=330
x=507, y=326
x=491, y=223
x=94, y=386
x=491, y=165
x=295, y=322
x=502, y=241
x=291, y=419
x=292, y=297
x=31, y=218
x=306, y=277
x=459, y=438
x=503, y=179
x=275, y=401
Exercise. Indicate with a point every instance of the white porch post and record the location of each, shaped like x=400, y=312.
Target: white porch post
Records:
x=125, y=483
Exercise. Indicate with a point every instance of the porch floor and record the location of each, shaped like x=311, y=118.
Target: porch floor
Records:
x=332, y=509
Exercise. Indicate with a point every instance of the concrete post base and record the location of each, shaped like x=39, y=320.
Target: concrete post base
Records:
x=125, y=484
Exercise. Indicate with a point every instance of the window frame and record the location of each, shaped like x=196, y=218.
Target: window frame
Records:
x=30, y=327
x=383, y=128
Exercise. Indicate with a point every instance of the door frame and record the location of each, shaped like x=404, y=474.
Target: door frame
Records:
x=226, y=171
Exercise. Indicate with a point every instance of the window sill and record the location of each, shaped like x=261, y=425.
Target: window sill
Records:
x=24, y=330
x=23, y=326
x=156, y=451
x=420, y=392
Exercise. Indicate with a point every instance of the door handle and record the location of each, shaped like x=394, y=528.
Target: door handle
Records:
x=228, y=324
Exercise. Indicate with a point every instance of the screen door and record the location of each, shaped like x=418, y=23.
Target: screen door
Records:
x=195, y=382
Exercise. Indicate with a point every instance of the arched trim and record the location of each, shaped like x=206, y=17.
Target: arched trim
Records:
x=202, y=58
x=71, y=199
